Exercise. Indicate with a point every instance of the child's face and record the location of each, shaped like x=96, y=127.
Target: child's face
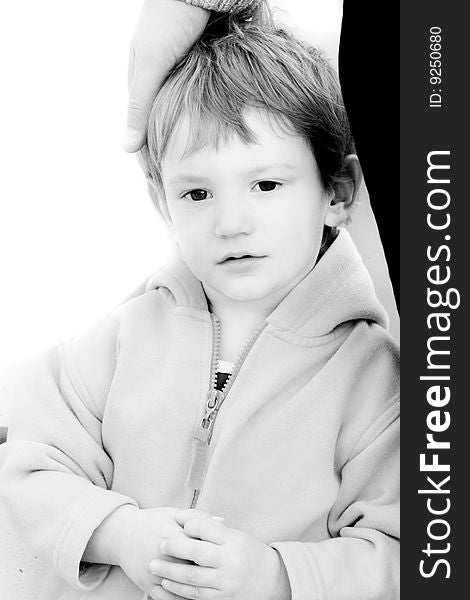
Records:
x=248, y=217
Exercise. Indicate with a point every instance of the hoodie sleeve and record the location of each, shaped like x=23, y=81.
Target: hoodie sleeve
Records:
x=361, y=559
x=55, y=474
x=223, y=5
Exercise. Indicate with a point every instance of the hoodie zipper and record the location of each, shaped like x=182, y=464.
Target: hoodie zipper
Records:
x=215, y=399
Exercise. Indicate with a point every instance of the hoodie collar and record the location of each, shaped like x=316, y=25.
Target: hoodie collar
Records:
x=338, y=289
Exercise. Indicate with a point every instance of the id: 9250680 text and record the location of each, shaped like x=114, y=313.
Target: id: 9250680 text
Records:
x=435, y=67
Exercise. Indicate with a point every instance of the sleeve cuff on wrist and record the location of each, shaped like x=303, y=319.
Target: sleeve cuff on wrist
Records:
x=82, y=519
x=301, y=570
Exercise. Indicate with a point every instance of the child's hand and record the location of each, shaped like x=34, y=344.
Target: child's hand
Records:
x=229, y=564
x=143, y=531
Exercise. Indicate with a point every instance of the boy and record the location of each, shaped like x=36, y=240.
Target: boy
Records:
x=252, y=379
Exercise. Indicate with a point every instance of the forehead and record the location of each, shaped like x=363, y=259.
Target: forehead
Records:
x=266, y=138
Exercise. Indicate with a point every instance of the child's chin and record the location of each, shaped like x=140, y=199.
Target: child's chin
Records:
x=247, y=292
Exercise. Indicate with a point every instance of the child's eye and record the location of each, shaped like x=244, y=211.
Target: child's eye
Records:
x=196, y=195
x=267, y=185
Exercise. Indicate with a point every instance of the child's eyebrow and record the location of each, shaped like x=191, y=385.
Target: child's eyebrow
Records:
x=189, y=179
x=262, y=168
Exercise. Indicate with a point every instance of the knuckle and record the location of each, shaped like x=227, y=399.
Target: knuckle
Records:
x=195, y=592
x=156, y=594
x=137, y=113
x=192, y=576
x=136, y=105
x=167, y=589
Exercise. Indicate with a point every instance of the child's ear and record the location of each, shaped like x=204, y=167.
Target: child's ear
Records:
x=343, y=203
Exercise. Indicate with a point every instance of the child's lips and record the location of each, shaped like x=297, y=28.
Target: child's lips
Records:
x=239, y=256
x=241, y=263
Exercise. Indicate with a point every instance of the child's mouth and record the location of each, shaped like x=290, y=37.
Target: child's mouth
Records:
x=239, y=257
x=241, y=261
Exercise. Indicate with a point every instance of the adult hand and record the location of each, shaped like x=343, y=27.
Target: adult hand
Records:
x=220, y=563
x=165, y=32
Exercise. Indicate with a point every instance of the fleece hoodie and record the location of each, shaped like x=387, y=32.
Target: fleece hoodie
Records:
x=303, y=455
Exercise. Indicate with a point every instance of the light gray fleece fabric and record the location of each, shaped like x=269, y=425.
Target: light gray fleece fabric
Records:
x=304, y=454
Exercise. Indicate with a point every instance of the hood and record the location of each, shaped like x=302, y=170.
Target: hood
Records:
x=337, y=290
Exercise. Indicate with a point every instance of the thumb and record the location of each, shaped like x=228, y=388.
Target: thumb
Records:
x=165, y=32
x=142, y=93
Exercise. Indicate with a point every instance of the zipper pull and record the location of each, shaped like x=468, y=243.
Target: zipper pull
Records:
x=201, y=441
x=214, y=400
x=197, y=470
x=202, y=434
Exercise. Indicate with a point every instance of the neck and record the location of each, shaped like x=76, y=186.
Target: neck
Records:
x=238, y=321
x=242, y=312
x=235, y=331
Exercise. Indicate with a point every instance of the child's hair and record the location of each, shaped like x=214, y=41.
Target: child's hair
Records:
x=245, y=61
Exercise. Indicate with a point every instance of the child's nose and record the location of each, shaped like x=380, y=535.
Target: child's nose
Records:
x=233, y=217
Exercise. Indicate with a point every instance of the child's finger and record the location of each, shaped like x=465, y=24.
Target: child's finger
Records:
x=158, y=593
x=189, y=574
x=203, y=554
x=184, y=514
x=190, y=591
x=208, y=530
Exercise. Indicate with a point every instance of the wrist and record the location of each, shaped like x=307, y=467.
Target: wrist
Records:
x=110, y=538
x=280, y=589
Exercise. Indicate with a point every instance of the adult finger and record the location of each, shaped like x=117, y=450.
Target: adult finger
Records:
x=146, y=82
x=203, y=554
x=165, y=32
x=208, y=530
x=189, y=574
